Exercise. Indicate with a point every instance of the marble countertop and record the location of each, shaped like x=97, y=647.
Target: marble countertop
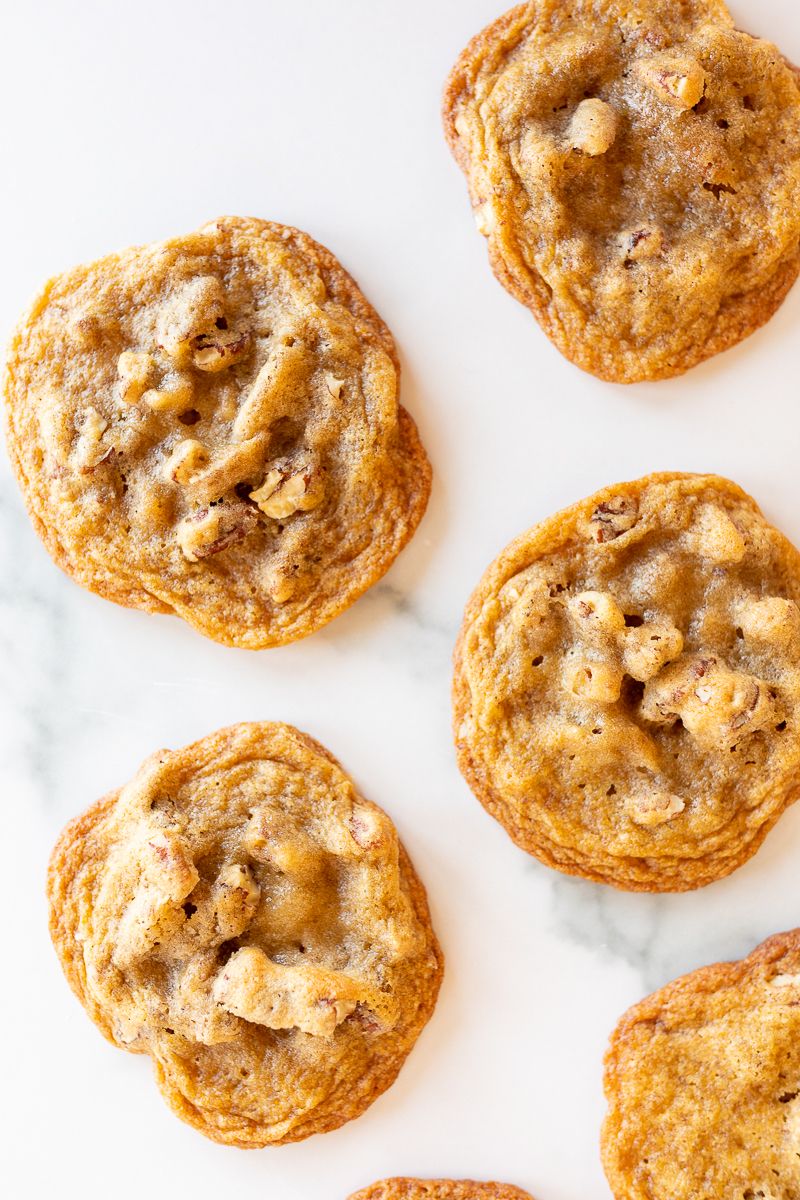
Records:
x=135, y=122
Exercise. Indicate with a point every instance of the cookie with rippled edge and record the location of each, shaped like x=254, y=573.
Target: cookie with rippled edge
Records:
x=635, y=168
x=242, y=915
x=702, y=1080
x=439, y=1189
x=627, y=684
x=210, y=426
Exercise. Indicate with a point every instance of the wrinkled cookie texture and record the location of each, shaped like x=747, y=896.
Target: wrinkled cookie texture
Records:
x=239, y=913
x=210, y=426
x=439, y=1189
x=703, y=1084
x=627, y=684
x=635, y=167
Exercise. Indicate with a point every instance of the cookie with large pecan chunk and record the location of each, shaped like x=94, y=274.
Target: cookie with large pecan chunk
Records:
x=627, y=684
x=210, y=426
x=239, y=913
x=703, y=1084
x=635, y=168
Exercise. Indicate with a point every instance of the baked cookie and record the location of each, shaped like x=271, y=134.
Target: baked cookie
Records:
x=702, y=1081
x=627, y=684
x=439, y=1189
x=210, y=426
x=239, y=913
x=635, y=167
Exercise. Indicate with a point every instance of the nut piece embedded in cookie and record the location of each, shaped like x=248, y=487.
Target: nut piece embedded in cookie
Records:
x=282, y=494
x=626, y=696
x=772, y=621
x=637, y=170
x=681, y=81
x=306, y=997
x=593, y=127
x=228, y=390
x=186, y=460
x=612, y=518
x=135, y=372
x=717, y=706
x=638, y=245
x=218, y=914
x=715, y=536
x=214, y=529
x=653, y=808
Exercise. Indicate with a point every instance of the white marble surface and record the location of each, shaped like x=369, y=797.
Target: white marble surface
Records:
x=129, y=122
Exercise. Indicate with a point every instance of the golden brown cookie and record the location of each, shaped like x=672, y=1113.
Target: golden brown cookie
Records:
x=702, y=1081
x=239, y=913
x=627, y=684
x=635, y=167
x=210, y=426
x=439, y=1189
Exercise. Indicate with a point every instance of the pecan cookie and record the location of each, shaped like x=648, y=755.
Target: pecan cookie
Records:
x=702, y=1081
x=239, y=913
x=210, y=426
x=635, y=168
x=627, y=684
x=439, y=1189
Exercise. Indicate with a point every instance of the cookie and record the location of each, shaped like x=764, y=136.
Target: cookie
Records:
x=627, y=684
x=635, y=167
x=210, y=426
x=239, y=913
x=702, y=1081
x=439, y=1189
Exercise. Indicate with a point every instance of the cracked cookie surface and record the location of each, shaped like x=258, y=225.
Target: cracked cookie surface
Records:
x=210, y=426
x=439, y=1189
x=702, y=1081
x=240, y=914
x=627, y=684
x=635, y=168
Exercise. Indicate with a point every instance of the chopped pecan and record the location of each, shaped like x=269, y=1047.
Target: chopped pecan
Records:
x=717, y=706
x=220, y=349
x=654, y=808
x=187, y=458
x=214, y=529
x=773, y=621
x=637, y=245
x=135, y=372
x=613, y=518
x=681, y=81
x=713, y=535
x=307, y=997
x=593, y=127
x=598, y=682
x=169, y=399
x=284, y=493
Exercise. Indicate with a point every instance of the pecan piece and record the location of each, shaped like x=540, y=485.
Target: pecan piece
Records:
x=220, y=349
x=593, y=127
x=679, y=81
x=214, y=529
x=613, y=517
x=283, y=493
